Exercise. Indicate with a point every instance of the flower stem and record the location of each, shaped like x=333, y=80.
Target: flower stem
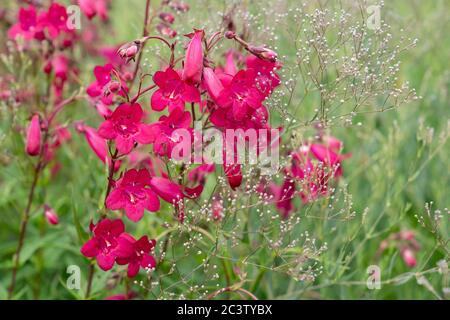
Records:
x=25, y=218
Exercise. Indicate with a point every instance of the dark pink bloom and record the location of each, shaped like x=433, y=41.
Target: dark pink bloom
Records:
x=50, y=215
x=329, y=158
x=135, y=253
x=241, y=94
x=193, y=62
x=233, y=173
x=27, y=25
x=104, y=87
x=104, y=242
x=173, y=92
x=56, y=20
x=133, y=194
x=33, y=145
x=163, y=131
x=126, y=128
x=230, y=66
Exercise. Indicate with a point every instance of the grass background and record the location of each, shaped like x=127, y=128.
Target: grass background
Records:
x=392, y=173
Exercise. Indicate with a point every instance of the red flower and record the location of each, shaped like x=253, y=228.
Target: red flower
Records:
x=133, y=194
x=135, y=253
x=173, y=92
x=104, y=243
x=33, y=146
x=125, y=127
x=193, y=62
x=241, y=94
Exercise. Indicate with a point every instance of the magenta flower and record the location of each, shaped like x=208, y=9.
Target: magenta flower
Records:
x=233, y=173
x=27, y=25
x=241, y=94
x=125, y=127
x=211, y=83
x=97, y=144
x=104, y=86
x=56, y=20
x=92, y=8
x=133, y=194
x=135, y=253
x=409, y=257
x=167, y=190
x=163, y=131
x=193, y=62
x=104, y=242
x=173, y=92
x=33, y=145
x=266, y=77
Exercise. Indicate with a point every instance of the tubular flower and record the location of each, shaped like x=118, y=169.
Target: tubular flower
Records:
x=193, y=62
x=33, y=143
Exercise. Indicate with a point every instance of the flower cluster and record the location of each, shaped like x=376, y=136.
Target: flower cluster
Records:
x=313, y=168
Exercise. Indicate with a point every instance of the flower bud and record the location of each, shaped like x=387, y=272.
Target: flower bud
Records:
x=167, y=17
x=193, y=62
x=263, y=53
x=409, y=258
x=230, y=34
x=212, y=83
x=33, y=146
x=129, y=50
x=50, y=215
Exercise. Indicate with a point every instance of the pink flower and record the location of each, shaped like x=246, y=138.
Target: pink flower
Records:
x=126, y=128
x=33, y=144
x=135, y=253
x=163, y=131
x=266, y=77
x=27, y=25
x=103, y=87
x=104, y=243
x=56, y=20
x=50, y=215
x=241, y=94
x=91, y=8
x=230, y=66
x=409, y=257
x=212, y=83
x=193, y=62
x=167, y=190
x=97, y=144
x=173, y=92
x=133, y=194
